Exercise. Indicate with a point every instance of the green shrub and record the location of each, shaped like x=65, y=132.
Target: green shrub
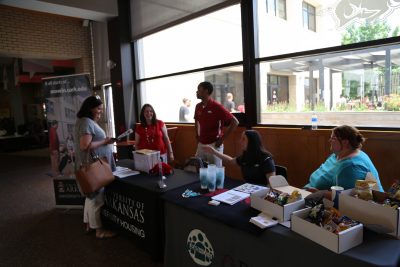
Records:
x=392, y=103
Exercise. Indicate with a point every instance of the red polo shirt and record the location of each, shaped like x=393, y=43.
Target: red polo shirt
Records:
x=211, y=118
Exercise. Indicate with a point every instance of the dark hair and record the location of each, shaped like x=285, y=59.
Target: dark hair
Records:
x=208, y=86
x=351, y=134
x=143, y=119
x=255, y=150
x=87, y=106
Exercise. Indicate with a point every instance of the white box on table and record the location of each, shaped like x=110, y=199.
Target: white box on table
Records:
x=145, y=159
x=282, y=213
x=368, y=212
x=338, y=243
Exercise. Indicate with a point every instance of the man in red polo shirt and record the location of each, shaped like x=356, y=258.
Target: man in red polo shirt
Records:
x=210, y=117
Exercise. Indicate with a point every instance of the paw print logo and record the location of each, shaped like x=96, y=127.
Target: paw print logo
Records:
x=199, y=248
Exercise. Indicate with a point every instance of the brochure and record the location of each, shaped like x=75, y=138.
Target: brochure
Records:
x=249, y=188
x=238, y=193
x=124, y=134
x=231, y=197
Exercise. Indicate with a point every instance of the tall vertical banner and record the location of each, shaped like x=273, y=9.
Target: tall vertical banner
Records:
x=63, y=98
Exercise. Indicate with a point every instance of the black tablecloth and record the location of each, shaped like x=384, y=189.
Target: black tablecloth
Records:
x=236, y=216
x=252, y=246
x=133, y=205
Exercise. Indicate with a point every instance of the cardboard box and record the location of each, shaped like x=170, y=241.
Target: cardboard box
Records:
x=282, y=213
x=145, y=159
x=370, y=213
x=338, y=243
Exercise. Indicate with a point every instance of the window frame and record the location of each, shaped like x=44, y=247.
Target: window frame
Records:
x=251, y=64
x=276, y=6
x=309, y=16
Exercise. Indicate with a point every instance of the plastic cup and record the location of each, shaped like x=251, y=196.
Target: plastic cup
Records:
x=220, y=177
x=203, y=178
x=211, y=177
x=336, y=190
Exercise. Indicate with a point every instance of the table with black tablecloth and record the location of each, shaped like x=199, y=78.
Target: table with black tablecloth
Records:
x=134, y=207
x=200, y=234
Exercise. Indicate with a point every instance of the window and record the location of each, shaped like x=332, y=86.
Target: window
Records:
x=166, y=94
x=277, y=90
x=335, y=26
x=309, y=17
x=188, y=54
x=206, y=41
x=346, y=69
x=339, y=72
x=359, y=87
x=277, y=8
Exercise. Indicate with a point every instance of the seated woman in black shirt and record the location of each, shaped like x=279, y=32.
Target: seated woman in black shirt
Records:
x=255, y=161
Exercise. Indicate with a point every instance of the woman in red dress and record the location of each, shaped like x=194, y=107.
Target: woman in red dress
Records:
x=152, y=134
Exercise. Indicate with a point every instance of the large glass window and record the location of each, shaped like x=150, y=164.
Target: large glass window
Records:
x=358, y=86
x=213, y=39
x=167, y=95
x=316, y=24
x=203, y=43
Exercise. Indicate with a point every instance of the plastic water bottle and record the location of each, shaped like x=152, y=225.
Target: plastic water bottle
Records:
x=314, y=122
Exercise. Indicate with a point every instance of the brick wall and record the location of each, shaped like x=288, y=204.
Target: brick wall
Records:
x=29, y=34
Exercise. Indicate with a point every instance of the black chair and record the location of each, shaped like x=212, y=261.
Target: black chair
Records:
x=281, y=170
x=193, y=164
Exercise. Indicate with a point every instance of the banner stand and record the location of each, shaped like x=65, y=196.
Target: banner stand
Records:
x=63, y=98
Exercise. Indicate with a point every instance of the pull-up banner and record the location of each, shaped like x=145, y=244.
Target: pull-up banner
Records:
x=63, y=98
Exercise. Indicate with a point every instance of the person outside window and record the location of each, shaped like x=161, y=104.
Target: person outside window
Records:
x=184, y=112
x=89, y=137
x=152, y=134
x=210, y=117
x=274, y=98
x=256, y=162
x=229, y=104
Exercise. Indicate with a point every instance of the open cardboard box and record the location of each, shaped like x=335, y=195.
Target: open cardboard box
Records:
x=338, y=243
x=145, y=159
x=282, y=213
x=370, y=213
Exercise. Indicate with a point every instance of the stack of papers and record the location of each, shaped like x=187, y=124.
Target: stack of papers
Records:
x=122, y=172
